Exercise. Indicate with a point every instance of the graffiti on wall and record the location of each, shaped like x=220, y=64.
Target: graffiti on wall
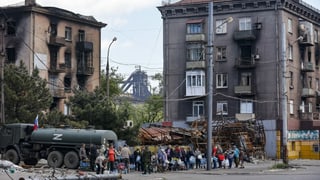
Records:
x=303, y=135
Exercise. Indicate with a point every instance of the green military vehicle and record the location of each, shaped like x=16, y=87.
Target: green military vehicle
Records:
x=59, y=146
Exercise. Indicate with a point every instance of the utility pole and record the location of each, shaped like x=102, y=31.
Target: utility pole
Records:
x=210, y=85
x=284, y=95
x=2, y=59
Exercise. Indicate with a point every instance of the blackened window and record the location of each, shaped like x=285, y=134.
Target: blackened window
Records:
x=11, y=55
x=67, y=83
x=11, y=28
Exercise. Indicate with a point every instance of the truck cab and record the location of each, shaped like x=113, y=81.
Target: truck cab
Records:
x=11, y=137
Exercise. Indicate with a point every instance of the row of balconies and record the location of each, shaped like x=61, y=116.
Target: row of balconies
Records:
x=244, y=90
x=238, y=116
x=242, y=35
x=61, y=41
x=62, y=68
x=239, y=63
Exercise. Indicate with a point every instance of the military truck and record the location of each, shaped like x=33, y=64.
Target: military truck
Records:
x=59, y=146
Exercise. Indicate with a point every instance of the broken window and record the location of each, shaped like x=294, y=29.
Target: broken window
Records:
x=67, y=83
x=53, y=58
x=11, y=55
x=53, y=29
x=11, y=28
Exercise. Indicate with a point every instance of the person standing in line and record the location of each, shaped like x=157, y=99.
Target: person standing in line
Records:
x=214, y=156
x=190, y=158
x=93, y=156
x=83, y=153
x=111, y=157
x=198, y=157
x=146, y=158
x=137, y=159
x=184, y=157
x=220, y=155
x=241, y=157
x=230, y=156
x=125, y=155
x=236, y=154
x=100, y=163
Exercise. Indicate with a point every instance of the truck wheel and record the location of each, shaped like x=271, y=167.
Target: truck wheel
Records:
x=31, y=161
x=55, y=159
x=71, y=160
x=12, y=155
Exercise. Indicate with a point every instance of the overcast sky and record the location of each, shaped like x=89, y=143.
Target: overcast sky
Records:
x=137, y=24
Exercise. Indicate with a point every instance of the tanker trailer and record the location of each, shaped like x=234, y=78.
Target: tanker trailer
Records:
x=61, y=146
x=57, y=146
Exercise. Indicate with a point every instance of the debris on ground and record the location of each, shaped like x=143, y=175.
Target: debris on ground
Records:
x=247, y=134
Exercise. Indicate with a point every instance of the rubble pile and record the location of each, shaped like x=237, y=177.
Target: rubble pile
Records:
x=248, y=135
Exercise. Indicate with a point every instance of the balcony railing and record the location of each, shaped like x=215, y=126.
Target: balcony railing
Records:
x=308, y=92
x=194, y=118
x=58, y=93
x=243, y=90
x=84, y=46
x=56, y=41
x=196, y=65
x=85, y=71
x=245, y=35
x=245, y=116
x=309, y=116
x=195, y=37
x=245, y=62
x=307, y=67
x=195, y=91
x=58, y=69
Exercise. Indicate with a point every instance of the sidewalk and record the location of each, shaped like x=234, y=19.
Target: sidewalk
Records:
x=258, y=168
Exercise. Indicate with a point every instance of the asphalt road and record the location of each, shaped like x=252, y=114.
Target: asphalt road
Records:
x=299, y=170
x=262, y=170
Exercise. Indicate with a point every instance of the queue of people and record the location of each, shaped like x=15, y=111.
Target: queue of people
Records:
x=163, y=159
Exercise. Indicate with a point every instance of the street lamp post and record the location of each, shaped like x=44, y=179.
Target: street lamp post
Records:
x=210, y=80
x=107, y=68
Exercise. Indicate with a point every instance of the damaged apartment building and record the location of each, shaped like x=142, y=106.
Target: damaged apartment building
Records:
x=63, y=45
x=265, y=65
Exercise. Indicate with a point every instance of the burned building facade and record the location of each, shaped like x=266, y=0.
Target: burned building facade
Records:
x=64, y=46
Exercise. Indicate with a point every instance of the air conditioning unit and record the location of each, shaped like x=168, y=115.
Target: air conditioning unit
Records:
x=128, y=124
x=256, y=56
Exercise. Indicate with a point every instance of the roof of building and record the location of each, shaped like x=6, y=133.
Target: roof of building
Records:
x=183, y=2
x=61, y=13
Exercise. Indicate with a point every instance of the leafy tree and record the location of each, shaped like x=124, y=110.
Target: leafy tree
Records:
x=158, y=77
x=115, y=80
x=25, y=95
x=152, y=110
x=96, y=109
x=127, y=133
